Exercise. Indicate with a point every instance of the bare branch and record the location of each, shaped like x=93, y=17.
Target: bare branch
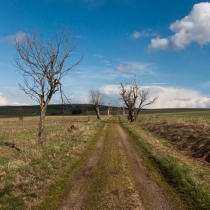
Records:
x=144, y=98
x=42, y=65
x=129, y=95
x=97, y=99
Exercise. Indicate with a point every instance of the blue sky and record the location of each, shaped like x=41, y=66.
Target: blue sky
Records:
x=166, y=43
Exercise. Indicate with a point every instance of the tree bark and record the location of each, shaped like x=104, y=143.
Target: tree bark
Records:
x=97, y=112
x=132, y=114
x=41, y=139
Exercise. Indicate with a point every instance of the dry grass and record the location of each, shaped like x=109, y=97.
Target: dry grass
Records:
x=183, y=133
x=27, y=169
x=173, y=141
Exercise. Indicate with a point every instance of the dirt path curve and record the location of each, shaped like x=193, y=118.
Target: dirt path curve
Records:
x=114, y=177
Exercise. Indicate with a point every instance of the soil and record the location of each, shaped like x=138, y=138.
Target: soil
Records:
x=193, y=139
x=114, y=176
x=75, y=196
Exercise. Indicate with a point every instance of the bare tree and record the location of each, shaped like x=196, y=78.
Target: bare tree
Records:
x=42, y=66
x=109, y=108
x=145, y=100
x=130, y=94
x=97, y=99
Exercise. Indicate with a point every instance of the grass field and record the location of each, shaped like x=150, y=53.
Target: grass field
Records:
x=179, y=145
x=27, y=170
x=176, y=144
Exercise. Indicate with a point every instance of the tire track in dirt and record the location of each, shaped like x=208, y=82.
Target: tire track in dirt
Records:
x=114, y=177
x=75, y=196
x=113, y=186
x=151, y=194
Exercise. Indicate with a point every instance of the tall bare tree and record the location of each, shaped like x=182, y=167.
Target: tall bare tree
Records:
x=130, y=94
x=97, y=99
x=41, y=64
x=145, y=100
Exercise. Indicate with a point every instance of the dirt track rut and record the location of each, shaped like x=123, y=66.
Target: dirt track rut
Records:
x=114, y=177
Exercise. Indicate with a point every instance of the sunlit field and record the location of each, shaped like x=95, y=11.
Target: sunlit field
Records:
x=179, y=145
x=28, y=169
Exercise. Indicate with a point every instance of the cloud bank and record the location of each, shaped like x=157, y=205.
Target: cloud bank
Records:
x=169, y=97
x=4, y=102
x=192, y=28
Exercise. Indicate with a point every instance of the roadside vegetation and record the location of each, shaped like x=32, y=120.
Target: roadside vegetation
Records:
x=29, y=171
x=170, y=143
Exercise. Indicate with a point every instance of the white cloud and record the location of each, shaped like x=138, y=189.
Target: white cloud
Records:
x=169, y=97
x=20, y=36
x=159, y=83
x=146, y=33
x=192, y=28
x=4, y=101
x=139, y=67
x=136, y=35
x=158, y=44
x=124, y=68
x=18, y=104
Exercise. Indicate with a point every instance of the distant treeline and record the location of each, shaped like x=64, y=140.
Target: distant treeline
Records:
x=57, y=109
x=79, y=109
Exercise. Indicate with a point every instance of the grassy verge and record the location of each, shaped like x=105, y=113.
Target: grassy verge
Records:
x=32, y=175
x=187, y=181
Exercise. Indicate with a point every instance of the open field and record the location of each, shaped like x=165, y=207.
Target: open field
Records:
x=187, y=132
x=178, y=145
x=27, y=171
x=149, y=164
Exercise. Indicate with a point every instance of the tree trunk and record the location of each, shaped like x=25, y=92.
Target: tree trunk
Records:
x=108, y=111
x=41, y=139
x=97, y=112
x=138, y=111
x=123, y=110
x=132, y=114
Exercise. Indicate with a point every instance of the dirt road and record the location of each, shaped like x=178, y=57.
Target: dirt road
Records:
x=114, y=177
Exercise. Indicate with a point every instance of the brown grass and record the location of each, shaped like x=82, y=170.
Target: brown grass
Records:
x=26, y=174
